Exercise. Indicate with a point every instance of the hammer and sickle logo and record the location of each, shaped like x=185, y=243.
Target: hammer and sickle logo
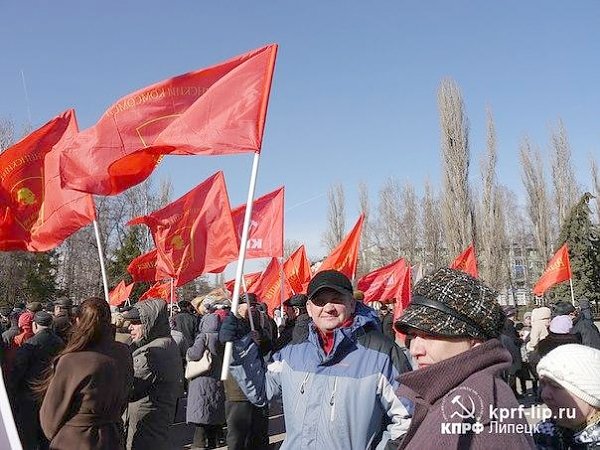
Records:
x=25, y=196
x=177, y=242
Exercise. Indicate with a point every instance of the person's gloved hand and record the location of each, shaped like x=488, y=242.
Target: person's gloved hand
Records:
x=230, y=329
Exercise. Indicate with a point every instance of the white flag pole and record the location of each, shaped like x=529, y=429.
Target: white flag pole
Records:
x=101, y=257
x=239, y=270
x=172, y=294
x=572, y=294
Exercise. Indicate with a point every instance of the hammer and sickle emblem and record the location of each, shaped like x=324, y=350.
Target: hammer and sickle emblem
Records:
x=177, y=242
x=466, y=412
x=25, y=196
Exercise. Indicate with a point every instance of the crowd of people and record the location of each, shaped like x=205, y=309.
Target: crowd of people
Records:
x=348, y=374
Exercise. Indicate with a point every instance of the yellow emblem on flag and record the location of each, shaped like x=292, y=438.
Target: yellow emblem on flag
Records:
x=177, y=242
x=25, y=196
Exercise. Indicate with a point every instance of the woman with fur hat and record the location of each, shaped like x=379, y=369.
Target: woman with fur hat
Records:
x=570, y=387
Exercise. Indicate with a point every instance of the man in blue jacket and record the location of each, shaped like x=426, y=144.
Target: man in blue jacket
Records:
x=338, y=382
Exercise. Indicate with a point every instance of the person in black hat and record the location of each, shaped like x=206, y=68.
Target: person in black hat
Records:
x=583, y=323
x=186, y=321
x=338, y=386
x=453, y=323
x=31, y=361
x=295, y=327
x=63, y=321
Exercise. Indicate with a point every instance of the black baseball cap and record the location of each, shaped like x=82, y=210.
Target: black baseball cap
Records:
x=329, y=279
x=132, y=315
x=298, y=300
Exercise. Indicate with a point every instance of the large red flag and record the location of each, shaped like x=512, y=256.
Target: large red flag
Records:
x=35, y=213
x=557, y=271
x=297, y=270
x=159, y=290
x=382, y=284
x=213, y=111
x=403, y=296
x=466, y=262
x=265, y=237
x=249, y=278
x=268, y=286
x=344, y=257
x=195, y=233
x=120, y=293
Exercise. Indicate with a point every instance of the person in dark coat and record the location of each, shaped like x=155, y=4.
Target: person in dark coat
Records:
x=186, y=321
x=13, y=330
x=295, y=306
x=158, y=377
x=31, y=360
x=63, y=322
x=86, y=395
x=206, y=396
x=560, y=333
x=387, y=322
x=583, y=323
x=454, y=322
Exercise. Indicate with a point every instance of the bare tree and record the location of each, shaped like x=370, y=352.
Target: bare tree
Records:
x=456, y=199
x=387, y=234
x=366, y=252
x=409, y=227
x=7, y=134
x=566, y=192
x=289, y=247
x=336, y=217
x=538, y=207
x=596, y=188
x=433, y=251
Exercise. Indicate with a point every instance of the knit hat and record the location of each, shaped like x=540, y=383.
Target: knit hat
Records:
x=576, y=368
x=43, y=318
x=561, y=325
x=451, y=303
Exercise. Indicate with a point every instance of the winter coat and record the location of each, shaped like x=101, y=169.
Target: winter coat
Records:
x=157, y=382
x=585, y=326
x=554, y=340
x=334, y=401
x=549, y=436
x=387, y=323
x=84, y=402
x=469, y=375
x=186, y=323
x=206, y=396
x=25, y=332
x=31, y=360
x=62, y=326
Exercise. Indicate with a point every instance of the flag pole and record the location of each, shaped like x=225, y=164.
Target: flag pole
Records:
x=172, y=295
x=101, y=256
x=572, y=294
x=240, y=265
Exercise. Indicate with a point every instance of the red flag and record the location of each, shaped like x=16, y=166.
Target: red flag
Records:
x=268, y=286
x=213, y=111
x=382, y=284
x=35, y=213
x=195, y=233
x=466, y=262
x=250, y=279
x=143, y=268
x=297, y=270
x=120, y=293
x=344, y=257
x=159, y=290
x=265, y=237
x=557, y=271
x=403, y=296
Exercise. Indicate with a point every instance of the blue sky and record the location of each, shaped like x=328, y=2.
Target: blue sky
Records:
x=354, y=93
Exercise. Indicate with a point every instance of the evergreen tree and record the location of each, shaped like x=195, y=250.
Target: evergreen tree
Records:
x=40, y=276
x=583, y=240
x=117, y=267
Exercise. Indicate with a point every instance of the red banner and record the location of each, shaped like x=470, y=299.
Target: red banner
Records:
x=159, y=290
x=557, y=271
x=466, y=262
x=382, y=284
x=143, y=268
x=297, y=270
x=120, y=293
x=36, y=214
x=195, y=233
x=403, y=296
x=249, y=278
x=268, y=286
x=265, y=237
x=213, y=111
x=344, y=257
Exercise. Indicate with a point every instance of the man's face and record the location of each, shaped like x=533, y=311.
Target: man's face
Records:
x=135, y=330
x=329, y=309
x=57, y=310
x=243, y=310
x=558, y=399
x=428, y=350
x=527, y=321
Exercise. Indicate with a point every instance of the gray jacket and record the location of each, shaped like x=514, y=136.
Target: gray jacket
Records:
x=157, y=383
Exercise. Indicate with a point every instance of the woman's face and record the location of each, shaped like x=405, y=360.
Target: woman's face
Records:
x=568, y=410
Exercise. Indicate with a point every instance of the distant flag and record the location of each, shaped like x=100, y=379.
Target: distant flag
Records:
x=382, y=284
x=268, y=287
x=36, y=214
x=159, y=290
x=557, y=271
x=249, y=278
x=466, y=262
x=403, y=297
x=195, y=233
x=120, y=294
x=344, y=258
x=143, y=267
x=214, y=111
x=297, y=270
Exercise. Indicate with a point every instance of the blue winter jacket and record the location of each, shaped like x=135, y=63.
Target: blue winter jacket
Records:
x=338, y=401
